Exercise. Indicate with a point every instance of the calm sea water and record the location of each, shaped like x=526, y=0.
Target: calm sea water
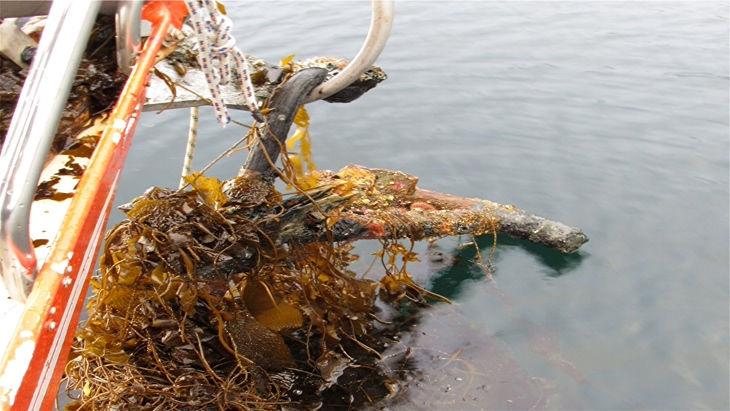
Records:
x=612, y=117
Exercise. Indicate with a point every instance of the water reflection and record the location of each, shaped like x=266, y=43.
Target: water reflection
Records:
x=554, y=262
x=453, y=364
x=449, y=358
x=451, y=269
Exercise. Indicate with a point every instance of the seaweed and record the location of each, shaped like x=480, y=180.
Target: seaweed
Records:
x=171, y=325
x=96, y=86
x=233, y=295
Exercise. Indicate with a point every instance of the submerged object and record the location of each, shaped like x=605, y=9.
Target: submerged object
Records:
x=73, y=202
x=213, y=276
x=254, y=288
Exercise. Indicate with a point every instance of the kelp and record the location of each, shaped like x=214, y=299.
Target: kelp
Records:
x=199, y=305
x=232, y=295
x=302, y=170
x=95, y=88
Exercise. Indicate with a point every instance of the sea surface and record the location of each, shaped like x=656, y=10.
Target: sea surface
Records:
x=608, y=116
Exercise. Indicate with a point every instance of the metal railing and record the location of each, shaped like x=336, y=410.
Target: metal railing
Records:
x=31, y=132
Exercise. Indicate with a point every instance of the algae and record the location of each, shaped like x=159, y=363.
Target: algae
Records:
x=199, y=305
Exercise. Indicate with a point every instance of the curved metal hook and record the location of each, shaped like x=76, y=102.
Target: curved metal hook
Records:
x=380, y=25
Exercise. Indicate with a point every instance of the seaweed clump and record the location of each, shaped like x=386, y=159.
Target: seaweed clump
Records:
x=200, y=305
x=96, y=86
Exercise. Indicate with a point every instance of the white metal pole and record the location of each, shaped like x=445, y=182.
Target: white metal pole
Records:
x=31, y=132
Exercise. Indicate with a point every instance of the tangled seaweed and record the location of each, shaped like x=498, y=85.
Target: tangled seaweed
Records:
x=95, y=88
x=199, y=305
x=231, y=295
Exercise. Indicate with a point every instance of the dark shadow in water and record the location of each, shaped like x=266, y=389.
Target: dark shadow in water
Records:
x=556, y=262
x=452, y=270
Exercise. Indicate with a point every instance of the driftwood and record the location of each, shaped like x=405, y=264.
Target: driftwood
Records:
x=245, y=295
x=361, y=203
x=235, y=296
x=386, y=204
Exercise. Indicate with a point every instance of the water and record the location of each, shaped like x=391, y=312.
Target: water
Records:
x=612, y=117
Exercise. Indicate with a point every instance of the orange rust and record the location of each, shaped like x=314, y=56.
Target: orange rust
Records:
x=376, y=229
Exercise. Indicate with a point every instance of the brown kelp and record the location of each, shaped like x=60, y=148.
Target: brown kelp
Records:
x=95, y=88
x=199, y=302
x=234, y=295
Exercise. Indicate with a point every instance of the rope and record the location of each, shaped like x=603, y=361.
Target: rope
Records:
x=190, y=148
x=219, y=58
